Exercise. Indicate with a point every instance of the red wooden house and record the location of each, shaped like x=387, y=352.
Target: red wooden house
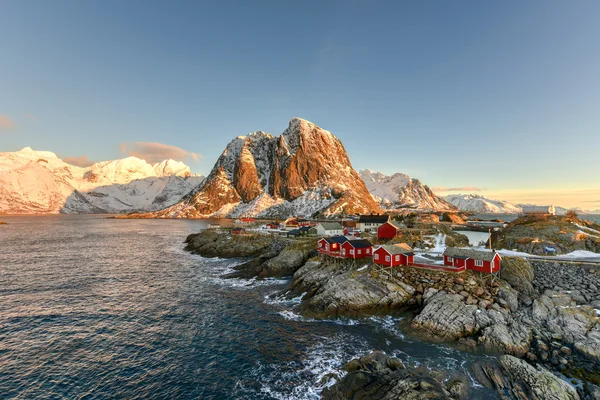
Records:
x=247, y=220
x=272, y=225
x=394, y=255
x=238, y=231
x=331, y=245
x=475, y=260
x=388, y=230
x=358, y=248
x=302, y=222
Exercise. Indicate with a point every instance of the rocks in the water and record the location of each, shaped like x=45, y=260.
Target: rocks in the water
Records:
x=213, y=243
x=377, y=376
x=514, y=378
x=284, y=264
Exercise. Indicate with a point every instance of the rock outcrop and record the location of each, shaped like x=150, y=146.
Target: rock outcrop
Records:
x=519, y=273
x=514, y=378
x=532, y=234
x=302, y=172
x=212, y=243
x=333, y=290
x=377, y=376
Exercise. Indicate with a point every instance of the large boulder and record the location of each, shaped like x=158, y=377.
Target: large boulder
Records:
x=514, y=378
x=511, y=338
x=519, y=273
x=378, y=377
x=447, y=317
x=284, y=264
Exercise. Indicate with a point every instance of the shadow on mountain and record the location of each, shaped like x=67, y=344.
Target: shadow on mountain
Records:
x=142, y=195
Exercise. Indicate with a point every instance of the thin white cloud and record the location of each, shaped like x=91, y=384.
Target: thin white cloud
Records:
x=154, y=152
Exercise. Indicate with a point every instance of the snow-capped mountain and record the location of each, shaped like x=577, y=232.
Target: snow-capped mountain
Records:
x=400, y=191
x=38, y=182
x=479, y=204
x=303, y=171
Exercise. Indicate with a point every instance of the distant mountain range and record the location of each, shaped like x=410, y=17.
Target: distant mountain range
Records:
x=303, y=172
x=401, y=192
x=482, y=205
x=38, y=182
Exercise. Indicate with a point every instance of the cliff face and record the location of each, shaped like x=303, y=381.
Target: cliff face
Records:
x=303, y=171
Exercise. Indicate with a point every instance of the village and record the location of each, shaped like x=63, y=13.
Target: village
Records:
x=373, y=240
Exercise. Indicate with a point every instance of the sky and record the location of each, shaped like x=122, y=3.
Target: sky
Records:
x=498, y=98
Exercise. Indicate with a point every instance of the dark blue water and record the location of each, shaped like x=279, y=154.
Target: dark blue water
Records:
x=101, y=308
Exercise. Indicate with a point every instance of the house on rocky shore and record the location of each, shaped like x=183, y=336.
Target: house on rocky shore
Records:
x=475, y=260
x=358, y=248
x=331, y=245
x=394, y=255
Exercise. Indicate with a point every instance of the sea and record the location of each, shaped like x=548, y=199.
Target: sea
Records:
x=98, y=308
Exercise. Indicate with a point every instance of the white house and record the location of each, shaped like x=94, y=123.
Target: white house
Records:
x=368, y=223
x=329, y=229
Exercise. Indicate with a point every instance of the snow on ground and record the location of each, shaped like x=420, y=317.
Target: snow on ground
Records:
x=577, y=254
x=586, y=230
x=581, y=254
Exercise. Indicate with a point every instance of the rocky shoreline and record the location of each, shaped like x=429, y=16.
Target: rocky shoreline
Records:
x=545, y=314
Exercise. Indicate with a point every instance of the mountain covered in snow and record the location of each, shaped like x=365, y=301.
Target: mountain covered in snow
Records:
x=38, y=182
x=482, y=205
x=400, y=191
x=304, y=171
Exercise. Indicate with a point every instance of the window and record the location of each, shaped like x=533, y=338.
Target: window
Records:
x=397, y=258
x=359, y=251
x=450, y=259
x=387, y=258
x=352, y=251
x=478, y=263
x=376, y=256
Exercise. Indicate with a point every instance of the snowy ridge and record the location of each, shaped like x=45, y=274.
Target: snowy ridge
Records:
x=38, y=182
x=400, y=191
x=482, y=205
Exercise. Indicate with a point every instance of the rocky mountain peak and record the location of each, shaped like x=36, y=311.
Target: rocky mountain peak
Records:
x=302, y=171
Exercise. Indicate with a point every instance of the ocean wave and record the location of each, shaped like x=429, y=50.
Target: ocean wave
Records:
x=321, y=367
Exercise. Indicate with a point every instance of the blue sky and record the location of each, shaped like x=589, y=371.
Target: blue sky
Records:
x=500, y=96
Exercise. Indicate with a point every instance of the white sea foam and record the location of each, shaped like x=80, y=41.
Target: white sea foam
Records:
x=306, y=378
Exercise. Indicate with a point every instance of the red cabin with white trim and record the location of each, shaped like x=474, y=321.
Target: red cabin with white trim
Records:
x=475, y=260
x=331, y=245
x=358, y=248
x=393, y=256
